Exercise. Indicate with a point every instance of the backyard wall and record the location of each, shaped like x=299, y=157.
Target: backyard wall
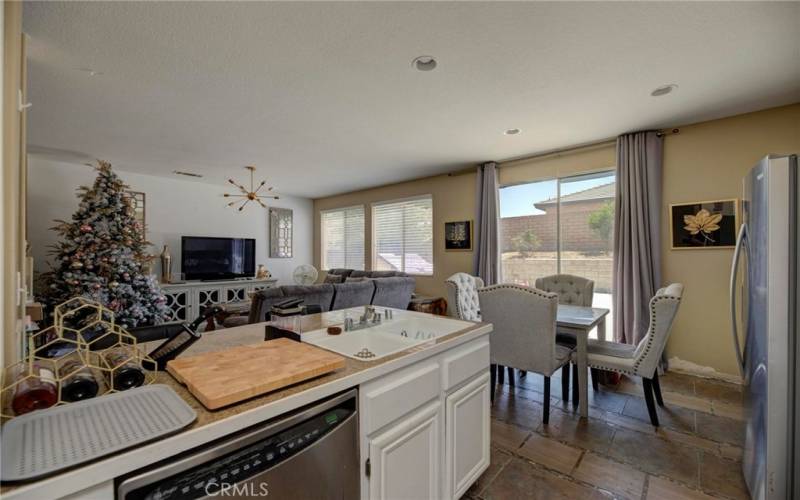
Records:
x=576, y=234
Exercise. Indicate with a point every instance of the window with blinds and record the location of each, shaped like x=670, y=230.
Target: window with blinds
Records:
x=402, y=236
x=343, y=238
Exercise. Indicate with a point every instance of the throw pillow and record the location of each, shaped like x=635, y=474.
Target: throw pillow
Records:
x=334, y=278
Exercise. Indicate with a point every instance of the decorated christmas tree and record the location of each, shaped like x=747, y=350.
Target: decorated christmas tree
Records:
x=101, y=255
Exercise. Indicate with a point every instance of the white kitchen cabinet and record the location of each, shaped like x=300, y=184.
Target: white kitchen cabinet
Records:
x=405, y=459
x=467, y=435
x=425, y=428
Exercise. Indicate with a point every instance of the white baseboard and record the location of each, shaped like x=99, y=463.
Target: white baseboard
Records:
x=682, y=366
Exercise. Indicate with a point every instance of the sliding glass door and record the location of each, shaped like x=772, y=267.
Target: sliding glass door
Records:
x=560, y=226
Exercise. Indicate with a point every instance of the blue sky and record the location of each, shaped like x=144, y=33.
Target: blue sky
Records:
x=518, y=200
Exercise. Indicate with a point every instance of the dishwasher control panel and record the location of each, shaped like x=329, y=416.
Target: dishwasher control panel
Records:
x=254, y=454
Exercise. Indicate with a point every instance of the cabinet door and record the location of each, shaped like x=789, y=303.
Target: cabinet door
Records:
x=467, y=441
x=178, y=303
x=405, y=458
x=236, y=293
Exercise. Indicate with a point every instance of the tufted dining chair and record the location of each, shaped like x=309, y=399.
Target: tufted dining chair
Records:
x=462, y=297
x=573, y=290
x=524, y=335
x=642, y=359
x=577, y=291
x=463, y=303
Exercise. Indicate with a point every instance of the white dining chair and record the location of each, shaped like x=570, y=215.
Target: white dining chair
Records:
x=641, y=360
x=524, y=335
x=577, y=291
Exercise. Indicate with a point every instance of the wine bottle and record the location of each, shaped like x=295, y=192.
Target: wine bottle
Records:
x=126, y=373
x=35, y=392
x=80, y=383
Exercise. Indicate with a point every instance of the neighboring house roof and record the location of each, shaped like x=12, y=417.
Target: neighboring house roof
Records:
x=601, y=192
x=415, y=263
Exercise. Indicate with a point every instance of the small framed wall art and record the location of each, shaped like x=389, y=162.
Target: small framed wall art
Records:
x=458, y=236
x=280, y=233
x=704, y=224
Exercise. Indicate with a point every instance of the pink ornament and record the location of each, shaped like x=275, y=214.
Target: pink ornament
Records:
x=86, y=228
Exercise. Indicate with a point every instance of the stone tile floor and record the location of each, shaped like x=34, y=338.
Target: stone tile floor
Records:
x=616, y=453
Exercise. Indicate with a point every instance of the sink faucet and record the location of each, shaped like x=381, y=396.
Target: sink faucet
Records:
x=370, y=317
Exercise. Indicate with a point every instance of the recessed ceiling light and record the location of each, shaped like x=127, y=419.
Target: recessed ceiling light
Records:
x=512, y=131
x=663, y=90
x=424, y=63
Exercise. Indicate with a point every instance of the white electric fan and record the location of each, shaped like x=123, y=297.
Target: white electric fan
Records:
x=305, y=274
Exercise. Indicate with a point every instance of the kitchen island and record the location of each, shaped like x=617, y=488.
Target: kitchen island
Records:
x=424, y=405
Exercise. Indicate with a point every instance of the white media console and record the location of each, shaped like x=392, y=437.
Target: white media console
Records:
x=185, y=300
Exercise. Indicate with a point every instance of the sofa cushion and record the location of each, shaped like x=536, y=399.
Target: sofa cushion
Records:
x=393, y=292
x=320, y=294
x=334, y=278
x=359, y=274
x=353, y=294
x=350, y=279
x=385, y=274
x=340, y=272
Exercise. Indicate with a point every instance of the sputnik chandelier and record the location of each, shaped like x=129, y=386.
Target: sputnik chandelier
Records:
x=246, y=196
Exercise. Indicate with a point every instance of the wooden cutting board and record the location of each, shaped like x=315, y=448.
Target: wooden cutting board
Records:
x=221, y=378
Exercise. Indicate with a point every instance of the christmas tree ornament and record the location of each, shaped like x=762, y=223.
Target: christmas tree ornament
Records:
x=246, y=196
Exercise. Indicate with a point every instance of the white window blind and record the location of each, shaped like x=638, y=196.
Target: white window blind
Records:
x=343, y=238
x=402, y=238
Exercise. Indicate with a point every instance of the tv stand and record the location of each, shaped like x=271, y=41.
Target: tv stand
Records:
x=185, y=300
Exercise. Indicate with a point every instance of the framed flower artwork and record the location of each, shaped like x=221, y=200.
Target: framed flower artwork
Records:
x=704, y=224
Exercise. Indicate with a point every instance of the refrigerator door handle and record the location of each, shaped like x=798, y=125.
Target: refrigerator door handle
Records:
x=740, y=242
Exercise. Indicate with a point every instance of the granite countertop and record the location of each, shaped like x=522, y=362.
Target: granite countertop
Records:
x=237, y=416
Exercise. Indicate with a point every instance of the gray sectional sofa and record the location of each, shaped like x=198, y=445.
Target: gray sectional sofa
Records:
x=354, y=288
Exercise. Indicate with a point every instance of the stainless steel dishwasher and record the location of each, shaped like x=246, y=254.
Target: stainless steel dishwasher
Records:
x=311, y=453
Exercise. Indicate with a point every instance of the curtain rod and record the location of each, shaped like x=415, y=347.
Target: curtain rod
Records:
x=588, y=146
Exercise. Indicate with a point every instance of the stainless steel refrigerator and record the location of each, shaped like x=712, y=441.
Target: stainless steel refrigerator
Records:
x=764, y=301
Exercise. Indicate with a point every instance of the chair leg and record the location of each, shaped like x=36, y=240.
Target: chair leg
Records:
x=657, y=390
x=648, y=397
x=575, y=384
x=565, y=383
x=546, y=416
x=522, y=373
x=510, y=377
x=501, y=374
x=493, y=377
x=595, y=375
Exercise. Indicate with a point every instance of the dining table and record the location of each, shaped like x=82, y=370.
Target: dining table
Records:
x=579, y=321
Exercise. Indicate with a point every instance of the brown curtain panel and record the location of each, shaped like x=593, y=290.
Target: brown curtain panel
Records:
x=637, y=232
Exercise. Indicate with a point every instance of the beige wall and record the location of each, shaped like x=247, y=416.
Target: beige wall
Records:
x=453, y=199
x=703, y=162
x=707, y=161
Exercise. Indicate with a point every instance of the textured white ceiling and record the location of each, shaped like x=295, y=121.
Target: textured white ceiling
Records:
x=323, y=99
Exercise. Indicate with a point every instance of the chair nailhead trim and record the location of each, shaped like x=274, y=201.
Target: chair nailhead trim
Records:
x=532, y=291
x=637, y=363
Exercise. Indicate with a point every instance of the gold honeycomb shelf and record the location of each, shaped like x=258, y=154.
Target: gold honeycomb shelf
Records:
x=63, y=351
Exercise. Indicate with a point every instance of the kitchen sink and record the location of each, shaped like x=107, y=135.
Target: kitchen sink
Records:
x=407, y=329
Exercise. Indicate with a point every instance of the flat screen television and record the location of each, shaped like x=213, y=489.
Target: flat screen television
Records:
x=207, y=258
